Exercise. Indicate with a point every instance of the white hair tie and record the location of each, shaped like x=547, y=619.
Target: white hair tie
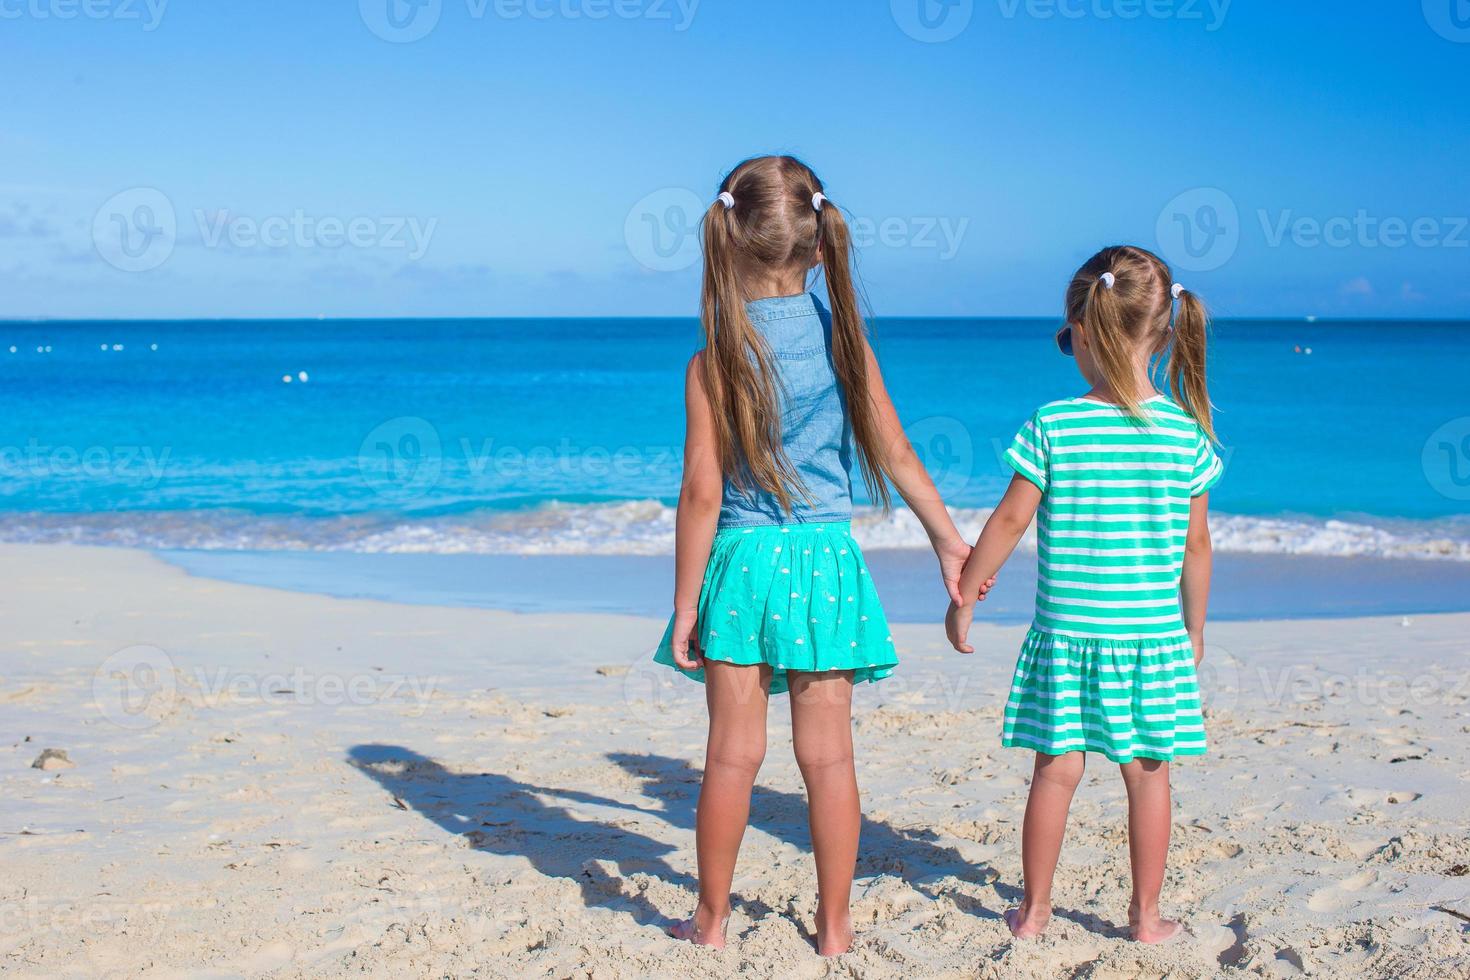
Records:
x=1176, y=290
x=727, y=199
x=817, y=200
x=1108, y=279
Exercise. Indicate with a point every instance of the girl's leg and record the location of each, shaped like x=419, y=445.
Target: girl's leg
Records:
x=1149, y=817
x=737, y=697
x=1053, y=782
x=821, y=733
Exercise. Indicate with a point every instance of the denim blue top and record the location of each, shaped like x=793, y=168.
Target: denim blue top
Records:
x=814, y=425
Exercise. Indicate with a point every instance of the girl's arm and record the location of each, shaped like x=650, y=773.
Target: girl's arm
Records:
x=914, y=485
x=1194, y=585
x=1011, y=518
x=699, y=511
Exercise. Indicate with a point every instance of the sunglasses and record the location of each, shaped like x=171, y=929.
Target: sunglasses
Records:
x=1064, y=340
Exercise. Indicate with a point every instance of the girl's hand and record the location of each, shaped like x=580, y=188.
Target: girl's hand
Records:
x=952, y=559
x=957, y=626
x=1197, y=640
x=985, y=588
x=686, y=643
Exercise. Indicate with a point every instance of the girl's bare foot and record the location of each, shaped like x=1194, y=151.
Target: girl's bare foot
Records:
x=834, y=934
x=1026, y=922
x=1152, y=928
x=705, y=929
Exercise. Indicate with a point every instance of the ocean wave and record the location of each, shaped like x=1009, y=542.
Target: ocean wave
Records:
x=647, y=528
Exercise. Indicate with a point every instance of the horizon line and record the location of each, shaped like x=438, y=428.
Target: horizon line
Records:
x=323, y=318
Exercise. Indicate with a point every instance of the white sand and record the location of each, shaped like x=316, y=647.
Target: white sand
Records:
x=316, y=787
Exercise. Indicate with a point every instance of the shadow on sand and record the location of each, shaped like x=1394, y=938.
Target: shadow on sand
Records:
x=914, y=855
x=503, y=815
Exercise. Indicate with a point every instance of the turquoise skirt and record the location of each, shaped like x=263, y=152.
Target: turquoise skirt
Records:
x=796, y=597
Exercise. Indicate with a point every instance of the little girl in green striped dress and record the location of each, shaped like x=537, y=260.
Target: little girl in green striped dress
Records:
x=1119, y=482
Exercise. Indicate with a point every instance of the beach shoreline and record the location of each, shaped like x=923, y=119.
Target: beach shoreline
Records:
x=265, y=781
x=1248, y=587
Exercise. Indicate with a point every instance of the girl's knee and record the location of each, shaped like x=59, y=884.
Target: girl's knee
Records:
x=742, y=756
x=1061, y=770
x=823, y=756
x=1141, y=772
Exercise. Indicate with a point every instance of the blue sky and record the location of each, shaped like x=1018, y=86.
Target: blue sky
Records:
x=282, y=158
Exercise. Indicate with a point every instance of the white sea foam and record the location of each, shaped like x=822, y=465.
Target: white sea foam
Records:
x=647, y=528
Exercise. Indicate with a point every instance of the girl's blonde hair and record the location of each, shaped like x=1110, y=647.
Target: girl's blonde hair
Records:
x=775, y=225
x=1136, y=312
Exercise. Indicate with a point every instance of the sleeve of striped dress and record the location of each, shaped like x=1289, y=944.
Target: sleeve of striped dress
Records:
x=1028, y=453
x=1207, y=467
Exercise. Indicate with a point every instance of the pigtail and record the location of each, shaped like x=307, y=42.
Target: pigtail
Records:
x=738, y=371
x=1104, y=323
x=1187, y=361
x=849, y=350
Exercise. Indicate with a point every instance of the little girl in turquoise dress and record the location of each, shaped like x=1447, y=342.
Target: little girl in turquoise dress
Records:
x=1119, y=480
x=771, y=593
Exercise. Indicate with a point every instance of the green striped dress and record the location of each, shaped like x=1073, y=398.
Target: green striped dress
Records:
x=1107, y=665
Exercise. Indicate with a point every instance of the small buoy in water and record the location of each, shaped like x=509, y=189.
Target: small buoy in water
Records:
x=12, y=348
x=104, y=347
x=117, y=346
x=48, y=348
x=40, y=350
x=153, y=347
x=1297, y=349
x=303, y=377
x=286, y=378
x=1307, y=351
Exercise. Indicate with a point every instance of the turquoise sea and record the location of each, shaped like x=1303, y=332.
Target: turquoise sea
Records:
x=562, y=436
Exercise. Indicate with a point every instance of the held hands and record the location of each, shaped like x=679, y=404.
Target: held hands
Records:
x=957, y=625
x=685, y=640
x=952, y=558
x=961, y=614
